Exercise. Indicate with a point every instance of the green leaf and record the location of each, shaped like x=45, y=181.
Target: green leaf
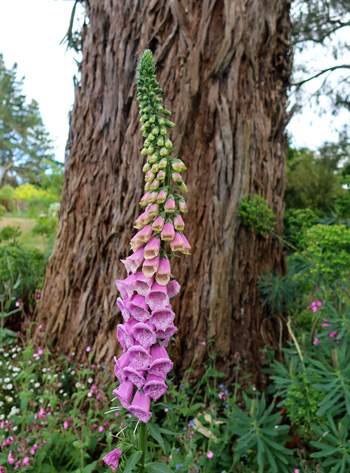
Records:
x=135, y=457
x=153, y=430
x=157, y=468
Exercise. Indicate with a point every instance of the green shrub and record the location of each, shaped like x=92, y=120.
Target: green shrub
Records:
x=10, y=234
x=7, y=194
x=27, y=266
x=328, y=247
x=257, y=215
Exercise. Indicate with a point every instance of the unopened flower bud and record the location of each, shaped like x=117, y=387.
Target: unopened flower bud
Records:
x=169, y=206
x=163, y=152
x=160, y=141
x=144, y=200
x=177, y=177
x=182, y=206
x=158, y=224
x=147, y=186
x=155, y=184
x=153, y=158
x=169, y=123
x=150, y=149
x=168, y=144
x=146, y=143
x=146, y=167
x=151, y=137
x=161, y=175
x=162, y=130
x=152, y=119
x=152, y=197
x=155, y=130
x=163, y=163
x=162, y=196
x=153, y=210
x=178, y=165
x=168, y=232
x=149, y=176
x=144, y=151
x=155, y=168
x=179, y=223
x=183, y=187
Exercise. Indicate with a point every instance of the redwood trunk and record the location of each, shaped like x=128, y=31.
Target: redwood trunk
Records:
x=224, y=66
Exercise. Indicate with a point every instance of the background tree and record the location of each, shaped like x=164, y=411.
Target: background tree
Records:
x=323, y=26
x=25, y=148
x=225, y=67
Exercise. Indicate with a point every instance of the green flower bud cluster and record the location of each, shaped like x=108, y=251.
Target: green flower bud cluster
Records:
x=162, y=170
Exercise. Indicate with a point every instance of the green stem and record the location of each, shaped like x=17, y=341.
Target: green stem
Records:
x=143, y=445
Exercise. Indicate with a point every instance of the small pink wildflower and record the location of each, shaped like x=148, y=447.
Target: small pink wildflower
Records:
x=65, y=424
x=101, y=429
x=203, y=342
x=88, y=349
x=333, y=334
x=11, y=458
x=316, y=341
x=210, y=454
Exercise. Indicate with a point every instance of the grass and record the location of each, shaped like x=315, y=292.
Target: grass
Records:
x=26, y=225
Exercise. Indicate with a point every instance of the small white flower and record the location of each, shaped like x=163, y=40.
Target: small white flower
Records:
x=64, y=394
x=15, y=427
x=14, y=356
x=44, y=370
x=32, y=380
x=2, y=416
x=7, y=380
x=55, y=375
x=41, y=400
x=9, y=386
x=13, y=349
x=60, y=391
x=63, y=376
x=90, y=380
x=36, y=385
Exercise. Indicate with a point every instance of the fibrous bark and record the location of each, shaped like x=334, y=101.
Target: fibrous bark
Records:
x=224, y=67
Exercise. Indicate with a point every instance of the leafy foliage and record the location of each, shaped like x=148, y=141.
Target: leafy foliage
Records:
x=257, y=215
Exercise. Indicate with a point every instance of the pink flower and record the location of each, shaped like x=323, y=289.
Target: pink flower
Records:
x=42, y=413
x=88, y=349
x=65, y=426
x=158, y=224
x=173, y=288
x=11, y=458
x=154, y=387
x=160, y=362
x=210, y=454
x=138, y=308
x=316, y=341
x=150, y=266
x=187, y=246
x=136, y=376
x=142, y=284
x=142, y=220
x=157, y=297
x=169, y=206
x=25, y=461
x=153, y=210
x=140, y=407
x=140, y=357
x=333, y=334
x=112, y=458
x=168, y=232
x=101, y=429
x=120, y=364
x=162, y=195
x=124, y=393
x=162, y=318
x=152, y=248
x=144, y=334
x=133, y=262
x=179, y=223
x=177, y=244
x=163, y=273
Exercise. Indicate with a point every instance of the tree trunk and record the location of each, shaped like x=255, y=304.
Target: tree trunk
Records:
x=225, y=67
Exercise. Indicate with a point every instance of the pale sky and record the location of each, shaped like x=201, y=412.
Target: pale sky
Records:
x=30, y=34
